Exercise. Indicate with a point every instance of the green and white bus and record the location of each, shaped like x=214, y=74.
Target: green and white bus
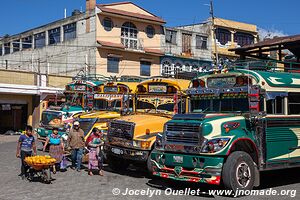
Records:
x=239, y=123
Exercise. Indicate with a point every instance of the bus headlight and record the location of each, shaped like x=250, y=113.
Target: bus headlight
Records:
x=214, y=145
x=141, y=144
x=158, y=142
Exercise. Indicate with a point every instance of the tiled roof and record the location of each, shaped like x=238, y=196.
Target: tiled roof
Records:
x=130, y=14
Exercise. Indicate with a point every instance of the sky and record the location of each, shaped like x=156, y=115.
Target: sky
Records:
x=271, y=15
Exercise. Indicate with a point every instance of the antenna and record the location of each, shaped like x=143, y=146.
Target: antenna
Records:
x=214, y=30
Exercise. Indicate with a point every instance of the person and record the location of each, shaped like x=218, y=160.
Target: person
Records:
x=26, y=147
x=56, y=148
x=76, y=143
x=239, y=81
x=94, y=144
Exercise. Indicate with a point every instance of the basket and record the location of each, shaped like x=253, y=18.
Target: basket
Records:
x=39, y=167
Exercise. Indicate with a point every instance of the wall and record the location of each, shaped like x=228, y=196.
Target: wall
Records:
x=232, y=26
x=199, y=29
x=129, y=63
x=114, y=35
x=64, y=58
x=17, y=77
x=59, y=81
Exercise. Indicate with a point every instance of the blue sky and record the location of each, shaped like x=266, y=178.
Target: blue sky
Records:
x=20, y=15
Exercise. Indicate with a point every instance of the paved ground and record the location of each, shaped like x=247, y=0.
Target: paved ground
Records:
x=73, y=185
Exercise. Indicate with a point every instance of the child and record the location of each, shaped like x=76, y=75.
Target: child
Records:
x=26, y=145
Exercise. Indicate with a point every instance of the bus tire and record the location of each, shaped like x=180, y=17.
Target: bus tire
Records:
x=149, y=164
x=238, y=171
x=117, y=164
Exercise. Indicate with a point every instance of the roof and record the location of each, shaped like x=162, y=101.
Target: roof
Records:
x=153, y=18
x=111, y=44
x=277, y=79
x=179, y=83
x=269, y=80
x=291, y=43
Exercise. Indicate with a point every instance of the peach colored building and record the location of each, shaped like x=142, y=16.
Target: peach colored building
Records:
x=129, y=39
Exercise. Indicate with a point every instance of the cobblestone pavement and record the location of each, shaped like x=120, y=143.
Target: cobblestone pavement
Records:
x=72, y=185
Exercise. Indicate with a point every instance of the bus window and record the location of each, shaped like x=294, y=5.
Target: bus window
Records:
x=294, y=103
x=144, y=105
x=141, y=89
x=171, y=90
x=275, y=106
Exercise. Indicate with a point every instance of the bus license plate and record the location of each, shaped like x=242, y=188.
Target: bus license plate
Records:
x=117, y=151
x=178, y=159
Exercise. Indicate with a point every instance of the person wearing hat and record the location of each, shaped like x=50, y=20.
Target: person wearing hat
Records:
x=56, y=149
x=76, y=143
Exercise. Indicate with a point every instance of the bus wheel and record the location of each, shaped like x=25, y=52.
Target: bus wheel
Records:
x=149, y=164
x=117, y=164
x=238, y=171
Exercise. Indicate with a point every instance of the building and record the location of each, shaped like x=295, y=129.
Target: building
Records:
x=231, y=34
x=191, y=48
x=129, y=39
x=108, y=39
x=187, y=49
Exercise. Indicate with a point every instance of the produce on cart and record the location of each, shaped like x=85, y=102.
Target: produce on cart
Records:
x=40, y=167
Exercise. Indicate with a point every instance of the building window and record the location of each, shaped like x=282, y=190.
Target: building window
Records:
x=129, y=35
x=27, y=42
x=69, y=31
x=167, y=68
x=201, y=42
x=171, y=36
x=16, y=45
x=294, y=103
x=223, y=35
x=54, y=35
x=7, y=48
x=39, y=40
x=150, y=31
x=145, y=68
x=107, y=24
x=243, y=39
x=113, y=64
x=178, y=68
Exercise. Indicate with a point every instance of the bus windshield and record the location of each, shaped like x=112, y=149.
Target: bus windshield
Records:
x=218, y=105
x=103, y=104
x=50, y=118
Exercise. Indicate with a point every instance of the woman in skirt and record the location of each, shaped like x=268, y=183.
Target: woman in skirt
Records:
x=56, y=148
x=94, y=144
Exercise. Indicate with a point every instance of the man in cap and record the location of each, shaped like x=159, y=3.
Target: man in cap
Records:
x=76, y=143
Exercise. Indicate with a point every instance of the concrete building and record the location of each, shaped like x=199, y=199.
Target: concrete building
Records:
x=108, y=39
x=186, y=48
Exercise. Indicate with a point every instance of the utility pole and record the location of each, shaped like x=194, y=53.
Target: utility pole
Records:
x=214, y=30
x=39, y=73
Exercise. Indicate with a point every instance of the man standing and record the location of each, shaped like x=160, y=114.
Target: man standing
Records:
x=76, y=143
x=26, y=145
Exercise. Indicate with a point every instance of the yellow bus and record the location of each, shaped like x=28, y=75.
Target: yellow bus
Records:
x=111, y=101
x=131, y=138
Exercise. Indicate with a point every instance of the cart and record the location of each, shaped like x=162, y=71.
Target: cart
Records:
x=41, y=171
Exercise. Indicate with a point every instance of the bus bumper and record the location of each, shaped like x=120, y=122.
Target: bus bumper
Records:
x=190, y=168
x=126, y=153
